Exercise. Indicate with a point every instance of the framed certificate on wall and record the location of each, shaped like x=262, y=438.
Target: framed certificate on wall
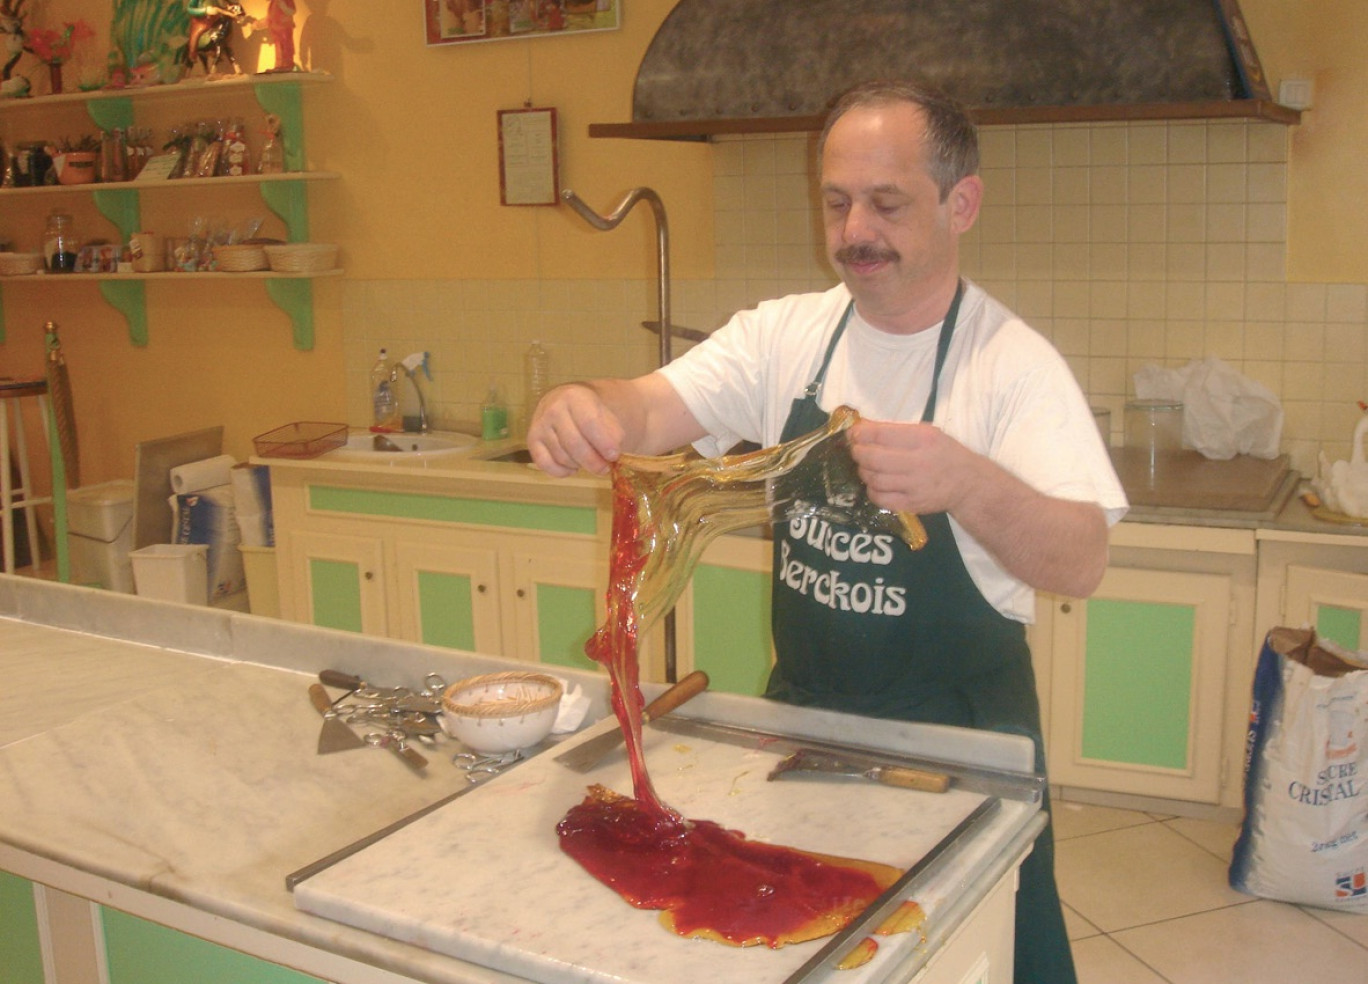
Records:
x=529, y=171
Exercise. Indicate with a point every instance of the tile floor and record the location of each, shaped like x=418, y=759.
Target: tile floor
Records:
x=1147, y=902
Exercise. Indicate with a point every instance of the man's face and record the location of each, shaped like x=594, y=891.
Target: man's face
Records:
x=888, y=234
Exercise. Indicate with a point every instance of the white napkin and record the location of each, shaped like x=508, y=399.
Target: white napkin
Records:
x=574, y=705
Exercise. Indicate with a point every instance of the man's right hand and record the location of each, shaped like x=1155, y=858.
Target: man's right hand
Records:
x=573, y=428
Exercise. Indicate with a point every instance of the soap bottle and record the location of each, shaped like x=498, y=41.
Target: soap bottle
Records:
x=384, y=398
x=493, y=415
x=537, y=371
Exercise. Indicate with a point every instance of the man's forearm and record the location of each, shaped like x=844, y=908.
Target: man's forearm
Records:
x=1055, y=545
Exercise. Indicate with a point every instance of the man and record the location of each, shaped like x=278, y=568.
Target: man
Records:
x=970, y=419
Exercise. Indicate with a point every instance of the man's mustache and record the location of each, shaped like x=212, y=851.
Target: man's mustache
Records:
x=866, y=253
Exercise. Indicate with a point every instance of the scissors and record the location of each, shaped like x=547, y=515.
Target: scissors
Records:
x=480, y=767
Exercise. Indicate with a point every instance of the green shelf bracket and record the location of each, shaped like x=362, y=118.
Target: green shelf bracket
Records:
x=290, y=201
x=110, y=114
x=295, y=298
x=284, y=100
x=129, y=298
x=122, y=207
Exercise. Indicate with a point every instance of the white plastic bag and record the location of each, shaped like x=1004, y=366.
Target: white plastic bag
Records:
x=1224, y=413
x=1305, y=833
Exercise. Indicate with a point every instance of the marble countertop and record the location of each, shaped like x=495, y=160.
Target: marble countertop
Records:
x=469, y=469
x=170, y=750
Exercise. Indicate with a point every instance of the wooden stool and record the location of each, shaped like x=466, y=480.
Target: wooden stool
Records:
x=16, y=497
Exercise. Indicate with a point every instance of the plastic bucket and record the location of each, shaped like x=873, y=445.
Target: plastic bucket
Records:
x=173, y=572
x=100, y=535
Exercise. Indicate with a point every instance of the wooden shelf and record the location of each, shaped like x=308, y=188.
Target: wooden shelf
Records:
x=186, y=87
x=119, y=201
x=1250, y=109
x=172, y=275
x=223, y=182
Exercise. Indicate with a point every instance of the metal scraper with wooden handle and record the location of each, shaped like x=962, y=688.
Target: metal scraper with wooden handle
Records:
x=812, y=760
x=586, y=755
x=335, y=736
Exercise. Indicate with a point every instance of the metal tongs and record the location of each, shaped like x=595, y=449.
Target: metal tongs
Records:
x=478, y=768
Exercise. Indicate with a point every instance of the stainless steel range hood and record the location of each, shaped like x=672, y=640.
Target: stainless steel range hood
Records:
x=734, y=66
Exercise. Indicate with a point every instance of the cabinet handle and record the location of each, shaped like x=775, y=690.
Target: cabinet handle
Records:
x=522, y=593
x=1066, y=608
x=480, y=588
x=370, y=575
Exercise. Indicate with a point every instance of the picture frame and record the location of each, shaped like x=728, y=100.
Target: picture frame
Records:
x=450, y=22
x=529, y=161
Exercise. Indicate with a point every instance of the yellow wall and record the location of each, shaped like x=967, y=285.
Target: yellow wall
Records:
x=412, y=131
x=1325, y=41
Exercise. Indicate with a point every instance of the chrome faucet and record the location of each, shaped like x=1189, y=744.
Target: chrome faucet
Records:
x=410, y=365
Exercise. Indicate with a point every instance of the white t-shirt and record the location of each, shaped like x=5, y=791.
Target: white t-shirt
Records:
x=1005, y=393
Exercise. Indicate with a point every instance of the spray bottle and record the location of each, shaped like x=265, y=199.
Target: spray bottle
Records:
x=384, y=398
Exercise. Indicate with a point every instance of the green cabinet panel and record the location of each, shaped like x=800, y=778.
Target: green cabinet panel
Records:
x=142, y=952
x=733, y=642
x=453, y=509
x=1342, y=626
x=21, y=954
x=336, y=587
x=1138, y=679
x=445, y=610
x=565, y=621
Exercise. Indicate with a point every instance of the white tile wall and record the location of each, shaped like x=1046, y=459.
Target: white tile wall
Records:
x=1127, y=244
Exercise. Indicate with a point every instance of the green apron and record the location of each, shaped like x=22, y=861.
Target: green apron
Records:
x=863, y=624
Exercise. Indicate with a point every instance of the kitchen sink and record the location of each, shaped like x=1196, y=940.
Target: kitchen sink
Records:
x=364, y=445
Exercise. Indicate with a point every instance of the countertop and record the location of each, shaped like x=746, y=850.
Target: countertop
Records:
x=470, y=469
x=160, y=758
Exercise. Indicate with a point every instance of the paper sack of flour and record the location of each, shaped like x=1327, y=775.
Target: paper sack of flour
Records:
x=207, y=516
x=1305, y=833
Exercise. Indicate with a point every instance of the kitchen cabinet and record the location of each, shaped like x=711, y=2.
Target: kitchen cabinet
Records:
x=513, y=578
x=723, y=616
x=1314, y=580
x=86, y=941
x=1144, y=686
x=120, y=202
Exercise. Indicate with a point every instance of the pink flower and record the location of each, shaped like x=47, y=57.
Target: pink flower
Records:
x=54, y=47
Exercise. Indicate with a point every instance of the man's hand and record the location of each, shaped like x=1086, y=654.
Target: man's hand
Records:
x=574, y=428
x=1052, y=544
x=912, y=468
x=589, y=425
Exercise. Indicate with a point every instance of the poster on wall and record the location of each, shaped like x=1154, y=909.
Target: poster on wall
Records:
x=463, y=21
x=528, y=163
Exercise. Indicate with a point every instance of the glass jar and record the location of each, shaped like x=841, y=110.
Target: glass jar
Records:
x=59, y=244
x=1154, y=425
x=113, y=155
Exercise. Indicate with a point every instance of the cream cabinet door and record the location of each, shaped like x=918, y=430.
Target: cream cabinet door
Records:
x=446, y=593
x=1335, y=603
x=723, y=616
x=338, y=581
x=1138, y=685
x=553, y=598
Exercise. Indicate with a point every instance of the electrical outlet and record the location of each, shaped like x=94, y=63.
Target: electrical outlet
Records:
x=1295, y=93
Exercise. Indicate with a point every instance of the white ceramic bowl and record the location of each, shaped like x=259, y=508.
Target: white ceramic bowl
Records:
x=501, y=712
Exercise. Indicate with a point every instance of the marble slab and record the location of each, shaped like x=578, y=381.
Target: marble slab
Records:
x=64, y=675
x=483, y=878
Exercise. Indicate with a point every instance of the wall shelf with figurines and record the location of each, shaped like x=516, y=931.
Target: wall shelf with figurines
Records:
x=284, y=191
